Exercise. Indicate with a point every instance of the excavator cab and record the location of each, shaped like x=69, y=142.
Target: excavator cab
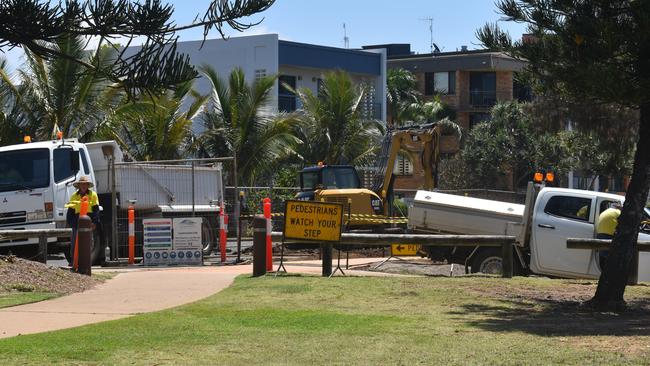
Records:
x=338, y=184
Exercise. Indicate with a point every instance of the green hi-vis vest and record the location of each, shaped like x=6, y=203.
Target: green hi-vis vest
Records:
x=75, y=201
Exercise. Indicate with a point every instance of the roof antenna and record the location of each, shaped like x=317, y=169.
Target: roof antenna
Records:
x=346, y=40
x=434, y=47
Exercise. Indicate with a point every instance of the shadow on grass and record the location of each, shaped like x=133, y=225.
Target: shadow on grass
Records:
x=557, y=318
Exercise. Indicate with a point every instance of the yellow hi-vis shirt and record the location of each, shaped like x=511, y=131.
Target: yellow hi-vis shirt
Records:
x=607, y=221
x=75, y=201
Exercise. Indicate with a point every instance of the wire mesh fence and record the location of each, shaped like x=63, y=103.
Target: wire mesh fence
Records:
x=163, y=189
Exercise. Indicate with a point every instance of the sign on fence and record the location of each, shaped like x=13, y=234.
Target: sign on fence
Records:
x=157, y=241
x=175, y=241
x=314, y=221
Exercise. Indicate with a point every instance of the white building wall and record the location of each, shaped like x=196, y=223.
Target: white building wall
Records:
x=250, y=53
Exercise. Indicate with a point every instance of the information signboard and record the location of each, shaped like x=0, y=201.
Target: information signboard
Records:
x=313, y=221
x=187, y=240
x=157, y=241
x=172, y=242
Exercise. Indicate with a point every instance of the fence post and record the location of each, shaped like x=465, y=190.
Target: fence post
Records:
x=326, y=249
x=42, y=248
x=131, y=216
x=259, y=246
x=269, y=228
x=506, y=254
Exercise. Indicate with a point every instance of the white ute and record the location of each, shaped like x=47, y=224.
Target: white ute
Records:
x=557, y=214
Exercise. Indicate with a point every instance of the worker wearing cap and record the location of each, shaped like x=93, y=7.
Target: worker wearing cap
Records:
x=83, y=186
x=607, y=223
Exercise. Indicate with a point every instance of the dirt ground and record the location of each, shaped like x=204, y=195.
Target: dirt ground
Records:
x=18, y=274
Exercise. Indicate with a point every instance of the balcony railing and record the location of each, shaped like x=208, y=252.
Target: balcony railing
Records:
x=480, y=98
x=286, y=103
x=372, y=111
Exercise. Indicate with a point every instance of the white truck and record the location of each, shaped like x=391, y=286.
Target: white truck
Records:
x=542, y=225
x=36, y=182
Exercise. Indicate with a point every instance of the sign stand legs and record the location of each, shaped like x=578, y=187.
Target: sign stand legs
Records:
x=281, y=267
x=338, y=264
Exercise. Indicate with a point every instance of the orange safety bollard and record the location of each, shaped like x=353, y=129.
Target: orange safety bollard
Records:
x=83, y=210
x=223, y=232
x=269, y=228
x=131, y=215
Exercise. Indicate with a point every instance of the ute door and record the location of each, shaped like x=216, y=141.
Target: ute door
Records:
x=65, y=172
x=558, y=216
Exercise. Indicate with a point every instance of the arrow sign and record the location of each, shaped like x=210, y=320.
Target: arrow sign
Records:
x=404, y=250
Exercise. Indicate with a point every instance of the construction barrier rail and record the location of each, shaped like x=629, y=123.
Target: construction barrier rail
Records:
x=355, y=218
x=604, y=244
x=41, y=234
x=505, y=242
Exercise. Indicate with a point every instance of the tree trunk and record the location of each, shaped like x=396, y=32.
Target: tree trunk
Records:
x=612, y=282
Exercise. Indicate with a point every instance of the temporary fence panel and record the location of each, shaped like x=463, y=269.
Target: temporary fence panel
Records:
x=169, y=189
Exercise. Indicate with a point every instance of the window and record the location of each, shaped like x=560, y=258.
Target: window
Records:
x=340, y=178
x=319, y=87
x=440, y=83
x=309, y=180
x=403, y=165
x=260, y=74
x=63, y=164
x=24, y=169
x=483, y=89
x=286, y=98
x=84, y=161
x=574, y=208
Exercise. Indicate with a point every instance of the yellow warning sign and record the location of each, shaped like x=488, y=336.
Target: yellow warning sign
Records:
x=403, y=250
x=316, y=221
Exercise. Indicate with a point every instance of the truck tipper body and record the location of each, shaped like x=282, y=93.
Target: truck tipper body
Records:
x=36, y=182
x=541, y=226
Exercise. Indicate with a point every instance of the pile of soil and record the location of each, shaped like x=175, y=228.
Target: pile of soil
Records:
x=18, y=274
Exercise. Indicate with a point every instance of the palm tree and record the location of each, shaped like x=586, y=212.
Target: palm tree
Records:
x=59, y=94
x=10, y=131
x=156, y=127
x=401, y=94
x=240, y=122
x=332, y=128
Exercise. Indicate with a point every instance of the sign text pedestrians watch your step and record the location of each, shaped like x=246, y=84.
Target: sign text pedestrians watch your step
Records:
x=317, y=221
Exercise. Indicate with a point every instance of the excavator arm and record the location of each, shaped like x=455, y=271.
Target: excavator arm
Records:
x=411, y=140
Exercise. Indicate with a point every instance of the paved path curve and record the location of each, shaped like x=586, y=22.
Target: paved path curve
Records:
x=128, y=293
x=138, y=290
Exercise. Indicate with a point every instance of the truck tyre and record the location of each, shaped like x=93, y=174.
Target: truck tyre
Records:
x=487, y=261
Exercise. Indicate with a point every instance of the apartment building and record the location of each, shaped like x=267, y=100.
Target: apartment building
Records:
x=299, y=65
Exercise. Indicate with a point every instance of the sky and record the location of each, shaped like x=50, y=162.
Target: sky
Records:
x=367, y=22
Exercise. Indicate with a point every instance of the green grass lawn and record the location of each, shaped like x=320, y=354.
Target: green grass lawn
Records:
x=18, y=298
x=361, y=321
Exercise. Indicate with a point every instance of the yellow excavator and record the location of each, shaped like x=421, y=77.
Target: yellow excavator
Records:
x=341, y=183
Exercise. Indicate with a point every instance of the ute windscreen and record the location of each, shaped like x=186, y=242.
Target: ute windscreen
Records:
x=24, y=169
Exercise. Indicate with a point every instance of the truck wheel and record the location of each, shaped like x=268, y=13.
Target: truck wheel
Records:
x=487, y=261
x=208, y=236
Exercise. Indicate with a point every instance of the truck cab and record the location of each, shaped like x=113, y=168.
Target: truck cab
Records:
x=36, y=183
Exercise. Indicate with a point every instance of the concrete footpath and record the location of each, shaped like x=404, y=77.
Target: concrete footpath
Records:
x=137, y=290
